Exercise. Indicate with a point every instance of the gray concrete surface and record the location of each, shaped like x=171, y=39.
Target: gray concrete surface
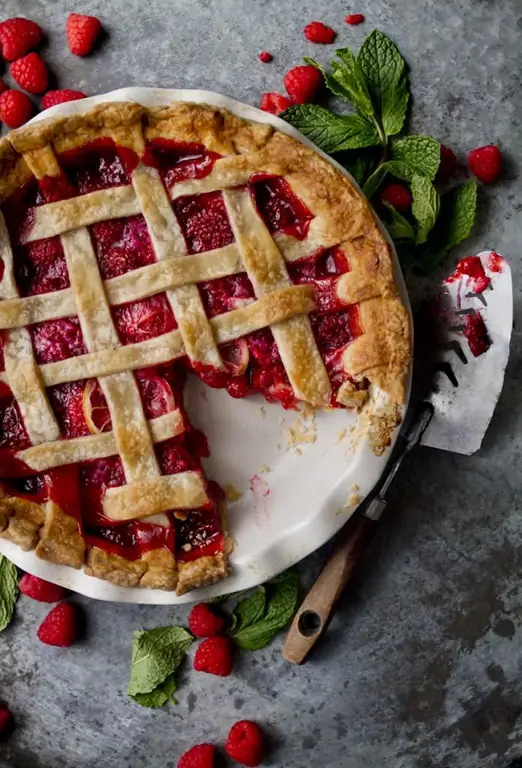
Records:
x=422, y=665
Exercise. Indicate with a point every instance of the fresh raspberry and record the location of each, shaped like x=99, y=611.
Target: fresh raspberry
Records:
x=214, y=656
x=15, y=108
x=204, y=623
x=265, y=57
x=485, y=163
x=448, y=163
x=398, y=196
x=246, y=743
x=302, y=83
x=41, y=590
x=354, y=18
x=30, y=73
x=274, y=103
x=6, y=721
x=51, y=98
x=59, y=626
x=82, y=32
x=317, y=32
x=200, y=756
x=18, y=36
x=3, y=86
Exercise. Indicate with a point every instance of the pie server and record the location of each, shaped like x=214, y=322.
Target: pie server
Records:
x=456, y=384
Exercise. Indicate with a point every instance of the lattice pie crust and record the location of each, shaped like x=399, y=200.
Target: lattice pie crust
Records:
x=341, y=218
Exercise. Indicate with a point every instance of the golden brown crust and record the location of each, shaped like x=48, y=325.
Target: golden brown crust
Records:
x=21, y=521
x=118, y=570
x=201, y=572
x=61, y=541
x=341, y=217
x=219, y=130
x=14, y=171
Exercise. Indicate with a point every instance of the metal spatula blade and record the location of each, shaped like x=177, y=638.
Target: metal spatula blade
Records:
x=470, y=369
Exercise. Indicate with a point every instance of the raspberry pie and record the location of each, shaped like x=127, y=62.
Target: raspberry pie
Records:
x=138, y=245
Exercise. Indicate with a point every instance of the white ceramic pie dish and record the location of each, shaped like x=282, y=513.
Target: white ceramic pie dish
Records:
x=300, y=476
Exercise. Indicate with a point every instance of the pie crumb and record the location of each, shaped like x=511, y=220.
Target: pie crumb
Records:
x=302, y=431
x=232, y=493
x=354, y=498
x=264, y=470
x=341, y=435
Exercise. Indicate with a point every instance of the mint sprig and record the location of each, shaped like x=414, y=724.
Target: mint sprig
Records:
x=370, y=146
x=156, y=655
x=257, y=619
x=8, y=591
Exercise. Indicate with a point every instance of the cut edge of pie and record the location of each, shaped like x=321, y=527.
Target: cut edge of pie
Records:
x=134, y=243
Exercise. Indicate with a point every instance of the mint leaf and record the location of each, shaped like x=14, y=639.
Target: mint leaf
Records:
x=331, y=133
x=280, y=610
x=457, y=216
x=398, y=226
x=156, y=654
x=420, y=153
x=347, y=81
x=425, y=206
x=8, y=591
x=159, y=696
x=249, y=610
x=385, y=72
x=360, y=164
x=454, y=224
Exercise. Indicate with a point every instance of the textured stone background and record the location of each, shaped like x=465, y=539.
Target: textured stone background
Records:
x=422, y=665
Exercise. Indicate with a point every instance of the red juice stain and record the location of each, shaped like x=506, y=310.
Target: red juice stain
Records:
x=471, y=268
x=476, y=334
x=496, y=262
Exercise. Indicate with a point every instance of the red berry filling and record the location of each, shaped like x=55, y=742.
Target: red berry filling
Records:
x=12, y=430
x=67, y=401
x=204, y=221
x=280, y=209
x=226, y=293
x=179, y=161
x=199, y=534
x=40, y=267
x=55, y=340
x=141, y=320
x=122, y=245
x=97, y=165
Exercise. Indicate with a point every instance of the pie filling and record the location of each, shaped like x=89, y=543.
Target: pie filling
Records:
x=251, y=364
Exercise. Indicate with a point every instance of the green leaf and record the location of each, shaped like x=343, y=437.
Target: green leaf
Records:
x=228, y=598
x=156, y=654
x=385, y=72
x=457, y=216
x=8, y=591
x=397, y=168
x=454, y=225
x=249, y=610
x=360, y=164
x=425, y=206
x=280, y=610
x=398, y=226
x=331, y=133
x=159, y=696
x=420, y=153
x=347, y=81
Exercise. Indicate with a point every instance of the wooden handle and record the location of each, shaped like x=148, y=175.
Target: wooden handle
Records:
x=313, y=616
